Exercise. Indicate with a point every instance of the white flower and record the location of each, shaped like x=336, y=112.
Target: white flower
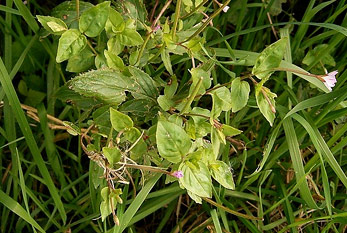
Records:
x=225, y=9
x=330, y=80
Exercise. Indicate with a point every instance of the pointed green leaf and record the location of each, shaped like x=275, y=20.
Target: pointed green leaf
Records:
x=171, y=87
x=116, y=20
x=120, y=121
x=106, y=85
x=263, y=104
x=239, y=94
x=230, y=131
x=220, y=171
x=114, y=61
x=112, y=155
x=165, y=103
x=130, y=37
x=197, y=74
x=70, y=43
x=269, y=59
x=53, y=25
x=221, y=98
x=172, y=141
x=141, y=85
x=93, y=20
x=165, y=57
x=81, y=62
x=196, y=179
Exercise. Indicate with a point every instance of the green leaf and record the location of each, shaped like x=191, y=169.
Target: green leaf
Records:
x=165, y=103
x=70, y=43
x=221, y=98
x=67, y=12
x=202, y=126
x=172, y=141
x=114, y=46
x=195, y=197
x=297, y=161
x=116, y=20
x=230, y=131
x=220, y=171
x=53, y=25
x=114, y=61
x=165, y=57
x=239, y=94
x=171, y=87
x=269, y=59
x=318, y=54
x=141, y=85
x=81, y=62
x=197, y=74
x=129, y=37
x=120, y=121
x=100, y=61
x=264, y=107
x=93, y=20
x=106, y=85
x=108, y=197
x=276, y=7
x=196, y=178
x=112, y=154
x=215, y=141
x=72, y=128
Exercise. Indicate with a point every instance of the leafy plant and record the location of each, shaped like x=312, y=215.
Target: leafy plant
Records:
x=153, y=94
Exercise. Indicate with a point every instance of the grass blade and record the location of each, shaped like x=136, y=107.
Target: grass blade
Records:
x=321, y=146
x=16, y=208
x=298, y=167
x=136, y=204
x=29, y=137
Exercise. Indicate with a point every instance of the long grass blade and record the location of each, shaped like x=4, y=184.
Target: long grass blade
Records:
x=29, y=137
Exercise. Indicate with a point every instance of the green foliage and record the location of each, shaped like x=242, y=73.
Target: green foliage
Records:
x=120, y=121
x=93, y=20
x=269, y=59
x=173, y=142
x=173, y=91
x=239, y=94
x=71, y=43
x=52, y=25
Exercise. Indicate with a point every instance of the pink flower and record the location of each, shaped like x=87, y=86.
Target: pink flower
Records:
x=156, y=28
x=225, y=9
x=330, y=80
x=177, y=174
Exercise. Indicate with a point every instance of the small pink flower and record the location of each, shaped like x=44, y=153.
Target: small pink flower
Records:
x=177, y=174
x=330, y=80
x=225, y=9
x=156, y=28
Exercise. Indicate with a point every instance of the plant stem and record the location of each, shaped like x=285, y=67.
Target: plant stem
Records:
x=91, y=47
x=207, y=22
x=300, y=72
x=78, y=9
x=192, y=96
x=149, y=33
x=177, y=16
x=195, y=10
x=229, y=210
x=146, y=168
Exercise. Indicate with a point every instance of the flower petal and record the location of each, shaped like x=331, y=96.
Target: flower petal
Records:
x=327, y=85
